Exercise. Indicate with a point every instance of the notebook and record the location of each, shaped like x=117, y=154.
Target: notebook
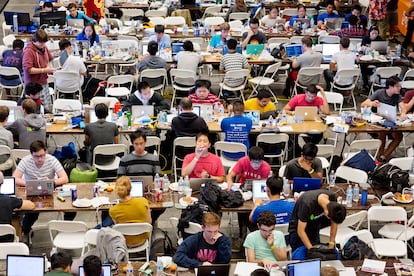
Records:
x=303, y=184
x=76, y=23
x=215, y=269
x=259, y=189
x=18, y=265
x=328, y=50
x=306, y=113
x=195, y=183
x=308, y=267
x=142, y=110
x=388, y=112
x=293, y=50
x=147, y=181
x=39, y=187
x=380, y=46
x=254, y=49
x=106, y=270
x=253, y=115
x=176, y=47
x=8, y=187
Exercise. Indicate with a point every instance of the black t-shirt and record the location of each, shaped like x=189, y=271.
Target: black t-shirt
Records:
x=207, y=252
x=7, y=205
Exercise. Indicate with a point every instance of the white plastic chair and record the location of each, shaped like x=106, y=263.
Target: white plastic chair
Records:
x=192, y=228
x=235, y=74
x=239, y=16
x=352, y=175
x=282, y=171
x=265, y=80
x=11, y=72
x=335, y=99
x=351, y=74
x=213, y=10
x=157, y=20
x=185, y=142
x=230, y=147
x=155, y=74
x=6, y=151
x=236, y=25
x=13, y=248
x=213, y=21
x=90, y=240
x=133, y=229
x=118, y=90
x=67, y=105
x=188, y=76
x=8, y=103
x=329, y=39
x=6, y=28
x=370, y=145
x=63, y=78
x=7, y=229
x=8, y=40
x=296, y=40
x=128, y=13
x=18, y=154
x=111, y=149
x=110, y=101
x=381, y=74
x=154, y=141
x=288, y=12
x=156, y=13
x=387, y=247
x=404, y=163
x=307, y=72
x=397, y=230
x=326, y=151
x=67, y=234
x=274, y=138
x=174, y=21
x=278, y=40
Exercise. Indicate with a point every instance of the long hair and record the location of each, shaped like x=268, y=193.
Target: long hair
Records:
x=92, y=39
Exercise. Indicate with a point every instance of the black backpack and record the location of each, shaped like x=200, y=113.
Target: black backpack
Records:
x=390, y=178
x=161, y=244
x=322, y=252
x=355, y=249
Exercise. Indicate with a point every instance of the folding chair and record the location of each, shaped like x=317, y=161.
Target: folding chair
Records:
x=265, y=80
x=62, y=81
x=307, y=73
x=184, y=142
x=274, y=139
x=134, y=229
x=235, y=74
x=335, y=99
x=157, y=75
x=381, y=74
x=351, y=74
x=231, y=147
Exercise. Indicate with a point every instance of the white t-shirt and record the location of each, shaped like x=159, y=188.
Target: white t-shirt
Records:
x=73, y=63
x=344, y=60
x=269, y=22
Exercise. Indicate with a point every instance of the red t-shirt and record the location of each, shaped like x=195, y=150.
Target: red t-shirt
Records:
x=407, y=98
x=211, y=164
x=244, y=168
x=300, y=100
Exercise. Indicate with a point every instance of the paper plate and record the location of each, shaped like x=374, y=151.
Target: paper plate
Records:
x=402, y=201
x=185, y=203
x=366, y=58
x=82, y=203
x=173, y=186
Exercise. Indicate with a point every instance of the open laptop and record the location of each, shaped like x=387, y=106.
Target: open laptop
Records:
x=293, y=50
x=253, y=115
x=63, y=57
x=40, y=187
x=302, y=21
x=388, y=112
x=204, y=109
x=195, y=183
x=214, y=270
x=18, y=265
x=328, y=50
x=306, y=113
x=15, y=112
x=308, y=267
x=239, y=49
x=142, y=110
x=8, y=187
x=176, y=47
x=147, y=180
x=93, y=118
x=380, y=46
x=334, y=23
x=76, y=23
x=106, y=270
x=254, y=49
x=259, y=189
x=303, y=184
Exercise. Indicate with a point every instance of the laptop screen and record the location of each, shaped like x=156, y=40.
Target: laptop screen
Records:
x=254, y=49
x=293, y=50
x=106, y=270
x=259, y=189
x=253, y=115
x=63, y=57
x=301, y=184
x=330, y=49
x=142, y=110
x=93, y=118
x=15, y=112
x=137, y=188
x=311, y=267
x=177, y=47
x=18, y=265
x=8, y=187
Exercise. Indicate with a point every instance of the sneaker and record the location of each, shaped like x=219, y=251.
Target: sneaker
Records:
x=237, y=245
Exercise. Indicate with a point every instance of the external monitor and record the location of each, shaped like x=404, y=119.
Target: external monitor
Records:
x=8, y=187
x=53, y=18
x=23, y=18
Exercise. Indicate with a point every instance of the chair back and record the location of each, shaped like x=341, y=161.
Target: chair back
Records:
x=278, y=40
x=66, y=105
x=154, y=141
x=186, y=142
x=7, y=229
x=119, y=80
x=351, y=174
x=110, y=149
x=157, y=20
x=213, y=21
x=335, y=99
x=67, y=226
x=236, y=25
x=8, y=103
x=288, y=12
x=329, y=39
x=109, y=101
x=239, y=16
x=364, y=235
x=355, y=219
x=231, y=147
x=404, y=163
x=156, y=13
x=282, y=171
x=296, y=40
x=174, y=21
x=133, y=229
x=13, y=248
x=367, y=144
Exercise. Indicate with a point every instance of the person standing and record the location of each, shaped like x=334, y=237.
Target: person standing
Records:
x=13, y=58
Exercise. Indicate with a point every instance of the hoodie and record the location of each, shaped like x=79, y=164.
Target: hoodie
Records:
x=151, y=62
x=156, y=100
x=31, y=128
x=34, y=57
x=188, y=124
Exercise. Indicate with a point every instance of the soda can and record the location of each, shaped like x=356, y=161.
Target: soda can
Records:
x=197, y=32
x=175, y=29
x=74, y=194
x=158, y=195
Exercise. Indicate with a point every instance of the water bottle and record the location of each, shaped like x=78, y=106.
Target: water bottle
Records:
x=364, y=197
x=160, y=267
x=56, y=29
x=270, y=121
x=311, y=22
x=221, y=109
x=286, y=187
x=15, y=24
x=332, y=178
x=284, y=117
x=181, y=185
x=216, y=108
x=399, y=50
x=355, y=194
x=157, y=181
x=185, y=29
x=209, y=114
x=124, y=121
x=129, y=269
x=186, y=182
x=165, y=183
x=349, y=196
x=69, y=121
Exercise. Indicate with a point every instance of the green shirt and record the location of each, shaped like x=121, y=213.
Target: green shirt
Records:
x=58, y=273
x=261, y=249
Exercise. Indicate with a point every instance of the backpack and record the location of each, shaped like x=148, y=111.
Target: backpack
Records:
x=322, y=252
x=213, y=196
x=192, y=213
x=356, y=249
x=161, y=244
x=390, y=178
x=362, y=161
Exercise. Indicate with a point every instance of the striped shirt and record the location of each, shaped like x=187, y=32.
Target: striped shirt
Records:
x=132, y=165
x=211, y=99
x=50, y=167
x=230, y=62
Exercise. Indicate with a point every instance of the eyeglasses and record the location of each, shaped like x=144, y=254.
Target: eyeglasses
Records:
x=267, y=231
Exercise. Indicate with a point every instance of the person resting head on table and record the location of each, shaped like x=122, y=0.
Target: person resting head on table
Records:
x=202, y=163
x=309, y=98
x=206, y=247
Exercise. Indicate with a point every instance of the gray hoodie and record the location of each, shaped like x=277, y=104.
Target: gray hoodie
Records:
x=31, y=128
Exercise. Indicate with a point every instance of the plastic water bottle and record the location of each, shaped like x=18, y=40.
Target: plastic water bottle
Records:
x=270, y=121
x=332, y=178
x=349, y=196
x=412, y=166
x=216, y=108
x=209, y=114
x=157, y=182
x=221, y=109
x=355, y=193
x=181, y=185
x=364, y=197
x=160, y=267
x=129, y=269
x=186, y=182
x=15, y=24
x=165, y=183
x=284, y=117
x=398, y=50
x=69, y=121
x=185, y=29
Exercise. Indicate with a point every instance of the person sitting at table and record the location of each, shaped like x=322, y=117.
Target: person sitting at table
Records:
x=389, y=95
x=163, y=40
x=206, y=247
x=72, y=64
x=344, y=59
x=75, y=14
x=202, y=94
x=130, y=209
x=187, y=123
x=6, y=137
x=330, y=13
x=362, y=19
x=46, y=7
x=13, y=58
x=307, y=165
x=262, y=102
x=38, y=165
x=32, y=91
x=92, y=266
x=366, y=71
x=146, y=96
x=30, y=128
x=202, y=163
x=309, y=98
x=312, y=210
x=88, y=34
x=408, y=103
x=239, y=6
x=60, y=263
x=269, y=20
x=188, y=59
x=220, y=40
x=266, y=245
x=308, y=58
x=8, y=205
x=100, y=132
x=253, y=34
x=301, y=14
x=152, y=61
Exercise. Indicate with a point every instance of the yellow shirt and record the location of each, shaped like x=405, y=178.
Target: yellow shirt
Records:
x=253, y=104
x=133, y=210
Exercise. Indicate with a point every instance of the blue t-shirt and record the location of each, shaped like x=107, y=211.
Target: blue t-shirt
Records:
x=165, y=41
x=82, y=36
x=81, y=15
x=236, y=129
x=281, y=208
x=323, y=16
x=217, y=41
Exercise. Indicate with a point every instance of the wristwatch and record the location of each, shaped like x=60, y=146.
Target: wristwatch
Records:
x=311, y=171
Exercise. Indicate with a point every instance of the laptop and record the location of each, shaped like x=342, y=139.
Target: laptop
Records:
x=196, y=110
x=334, y=23
x=308, y=267
x=239, y=49
x=380, y=46
x=106, y=270
x=254, y=49
x=306, y=113
x=176, y=47
x=63, y=57
x=138, y=111
x=388, y=112
x=253, y=115
x=17, y=265
x=204, y=109
x=259, y=189
x=293, y=50
x=15, y=112
x=76, y=23
x=137, y=188
x=303, y=184
x=328, y=50
x=8, y=187
x=302, y=21
x=40, y=187
x=147, y=181
x=93, y=118
x=195, y=183
x=214, y=270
